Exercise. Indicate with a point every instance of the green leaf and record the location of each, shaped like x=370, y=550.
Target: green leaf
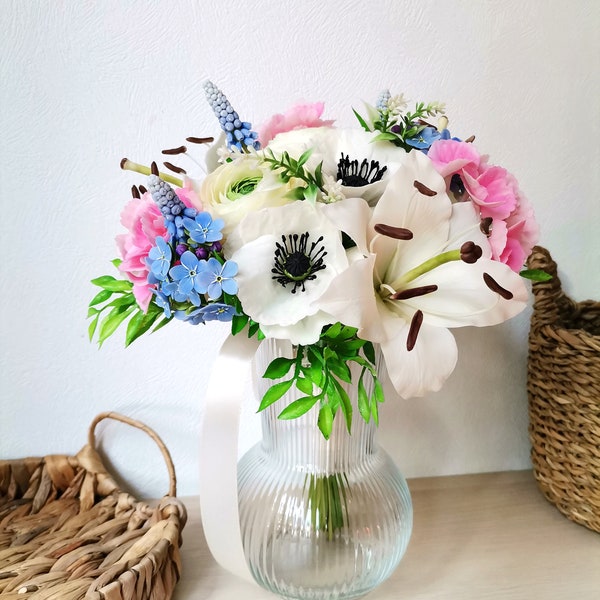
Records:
x=369, y=352
x=108, y=282
x=162, y=323
x=139, y=324
x=319, y=174
x=124, y=300
x=238, y=323
x=92, y=328
x=278, y=367
x=297, y=193
x=298, y=408
x=345, y=404
x=304, y=157
x=314, y=355
x=305, y=385
x=385, y=137
x=116, y=262
x=333, y=330
x=325, y=420
x=275, y=392
x=375, y=412
x=361, y=120
x=535, y=274
x=92, y=311
x=112, y=321
x=100, y=297
x=253, y=328
x=378, y=391
x=363, y=400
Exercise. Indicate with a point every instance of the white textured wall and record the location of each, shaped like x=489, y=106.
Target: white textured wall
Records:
x=84, y=83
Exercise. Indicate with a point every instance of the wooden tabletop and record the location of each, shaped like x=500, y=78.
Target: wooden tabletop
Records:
x=475, y=537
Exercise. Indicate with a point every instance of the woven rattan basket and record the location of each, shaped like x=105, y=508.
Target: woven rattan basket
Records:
x=67, y=532
x=564, y=397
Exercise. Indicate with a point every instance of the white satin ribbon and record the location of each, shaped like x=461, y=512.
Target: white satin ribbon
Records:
x=219, y=453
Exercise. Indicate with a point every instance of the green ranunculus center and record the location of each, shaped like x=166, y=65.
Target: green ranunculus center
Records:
x=243, y=187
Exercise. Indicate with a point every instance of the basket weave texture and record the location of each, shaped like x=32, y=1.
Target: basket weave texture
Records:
x=67, y=532
x=564, y=396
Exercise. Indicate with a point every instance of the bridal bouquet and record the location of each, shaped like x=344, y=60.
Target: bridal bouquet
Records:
x=335, y=239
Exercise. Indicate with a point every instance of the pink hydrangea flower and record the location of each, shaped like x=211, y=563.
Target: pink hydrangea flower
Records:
x=494, y=190
x=144, y=223
x=300, y=116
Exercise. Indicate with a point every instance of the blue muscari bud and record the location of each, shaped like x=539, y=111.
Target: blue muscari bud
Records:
x=382, y=100
x=239, y=133
x=165, y=197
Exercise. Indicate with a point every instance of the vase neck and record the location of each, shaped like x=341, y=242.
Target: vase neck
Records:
x=299, y=442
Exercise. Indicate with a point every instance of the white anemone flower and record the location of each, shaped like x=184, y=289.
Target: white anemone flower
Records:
x=432, y=271
x=288, y=257
x=348, y=155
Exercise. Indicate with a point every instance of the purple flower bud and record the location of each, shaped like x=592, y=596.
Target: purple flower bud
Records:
x=202, y=253
x=396, y=129
x=180, y=249
x=216, y=247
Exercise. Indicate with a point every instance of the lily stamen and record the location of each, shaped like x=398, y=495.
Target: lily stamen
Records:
x=414, y=292
x=200, y=140
x=413, y=332
x=398, y=233
x=424, y=189
x=174, y=151
x=135, y=193
x=175, y=168
x=470, y=252
x=496, y=287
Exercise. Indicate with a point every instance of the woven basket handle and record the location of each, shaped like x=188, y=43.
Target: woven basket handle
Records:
x=549, y=296
x=138, y=425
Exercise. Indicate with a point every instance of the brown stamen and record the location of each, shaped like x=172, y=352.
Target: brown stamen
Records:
x=424, y=189
x=143, y=190
x=200, y=140
x=496, y=287
x=486, y=226
x=135, y=193
x=398, y=233
x=174, y=168
x=180, y=150
x=154, y=169
x=413, y=332
x=414, y=292
x=470, y=252
x=123, y=162
x=470, y=139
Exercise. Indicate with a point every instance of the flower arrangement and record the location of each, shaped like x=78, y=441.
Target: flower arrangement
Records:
x=334, y=239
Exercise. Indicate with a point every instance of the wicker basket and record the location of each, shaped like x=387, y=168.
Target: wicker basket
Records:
x=67, y=532
x=564, y=397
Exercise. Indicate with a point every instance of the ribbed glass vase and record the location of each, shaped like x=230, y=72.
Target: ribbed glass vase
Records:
x=320, y=519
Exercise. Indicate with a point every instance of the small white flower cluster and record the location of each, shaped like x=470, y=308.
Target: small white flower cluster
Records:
x=332, y=190
x=396, y=104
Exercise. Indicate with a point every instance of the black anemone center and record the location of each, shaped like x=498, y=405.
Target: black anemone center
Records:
x=353, y=174
x=295, y=262
x=457, y=187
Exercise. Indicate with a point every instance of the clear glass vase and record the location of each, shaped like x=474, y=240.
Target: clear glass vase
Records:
x=320, y=519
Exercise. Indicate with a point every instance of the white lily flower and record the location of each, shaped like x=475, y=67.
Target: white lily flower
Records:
x=288, y=257
x=416, y=238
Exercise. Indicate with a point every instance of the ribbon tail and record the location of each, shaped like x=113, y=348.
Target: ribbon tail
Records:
x=219, y=453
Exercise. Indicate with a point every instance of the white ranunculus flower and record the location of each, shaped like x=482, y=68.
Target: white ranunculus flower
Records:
x=416, y=238
x=238, y=188
x=288, y=257
x=348, y=155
